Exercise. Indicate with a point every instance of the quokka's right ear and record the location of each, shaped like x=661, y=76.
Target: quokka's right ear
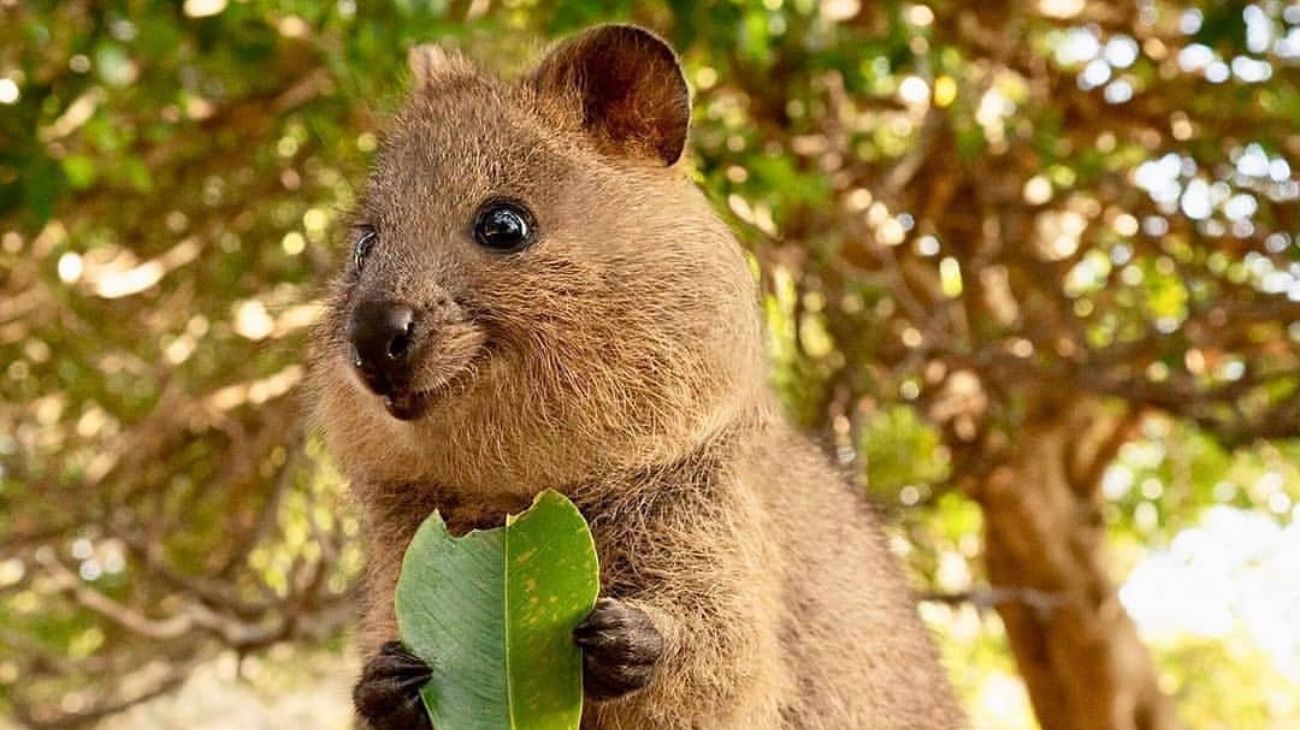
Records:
x=431, y=65
x=627, y=89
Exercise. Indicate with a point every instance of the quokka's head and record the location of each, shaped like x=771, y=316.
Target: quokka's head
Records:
x=536, y=291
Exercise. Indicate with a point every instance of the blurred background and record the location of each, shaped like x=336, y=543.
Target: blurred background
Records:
x=1031, y=272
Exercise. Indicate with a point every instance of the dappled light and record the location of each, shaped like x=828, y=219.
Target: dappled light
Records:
x=1030, y=272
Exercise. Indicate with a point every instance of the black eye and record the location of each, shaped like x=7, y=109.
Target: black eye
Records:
x=504, y=225
x=360, y=249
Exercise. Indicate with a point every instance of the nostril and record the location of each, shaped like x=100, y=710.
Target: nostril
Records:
x=401, y=342
x=383, y=334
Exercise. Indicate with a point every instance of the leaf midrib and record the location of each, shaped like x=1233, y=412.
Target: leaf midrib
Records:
x=505, y=615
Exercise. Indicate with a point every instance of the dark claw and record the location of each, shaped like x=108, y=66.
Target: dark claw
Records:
x=388, y=694
x=620, y=649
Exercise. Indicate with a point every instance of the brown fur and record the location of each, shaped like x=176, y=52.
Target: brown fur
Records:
x=618, y=360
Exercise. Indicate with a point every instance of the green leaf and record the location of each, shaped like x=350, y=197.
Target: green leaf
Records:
x=80, y=171
x=493, y=614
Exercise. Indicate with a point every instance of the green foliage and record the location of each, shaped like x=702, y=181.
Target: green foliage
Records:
x=493, y=614
x=1195, y=668
x=1162, y=483
x=903, y=451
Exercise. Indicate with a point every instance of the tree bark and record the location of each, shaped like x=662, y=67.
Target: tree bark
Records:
x=1077, y=649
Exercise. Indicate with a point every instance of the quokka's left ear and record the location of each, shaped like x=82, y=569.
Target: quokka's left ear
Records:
x=628, y=88
x=431, y=65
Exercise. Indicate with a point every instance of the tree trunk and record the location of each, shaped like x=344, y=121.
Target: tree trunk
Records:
x=1077, y=650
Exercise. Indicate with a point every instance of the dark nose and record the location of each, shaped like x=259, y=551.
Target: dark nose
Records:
x=382, y=334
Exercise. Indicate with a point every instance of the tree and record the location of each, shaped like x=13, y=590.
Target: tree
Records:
x=1005, y=233
x=1074, y=214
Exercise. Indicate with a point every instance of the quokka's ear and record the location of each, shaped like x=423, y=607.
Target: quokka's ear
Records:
x=628, y=87
x=431, y=65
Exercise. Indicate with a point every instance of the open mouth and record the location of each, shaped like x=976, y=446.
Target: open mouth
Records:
x=406, y=403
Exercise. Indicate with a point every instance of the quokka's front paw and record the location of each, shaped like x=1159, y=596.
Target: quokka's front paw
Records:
x=620, y=648
x=387, y=696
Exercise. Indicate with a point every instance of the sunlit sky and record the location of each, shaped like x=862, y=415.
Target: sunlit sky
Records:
x=1235, y=574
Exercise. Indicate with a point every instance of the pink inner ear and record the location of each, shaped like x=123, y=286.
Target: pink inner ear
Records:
x=635, y=100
